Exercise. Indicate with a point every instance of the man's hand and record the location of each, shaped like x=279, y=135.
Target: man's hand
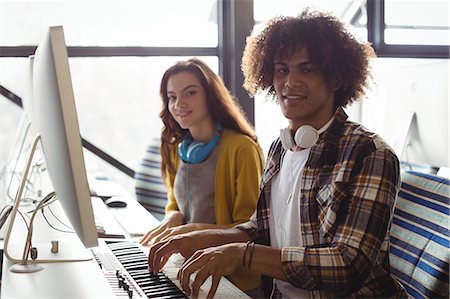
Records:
x=215, y=262
x=185, y=244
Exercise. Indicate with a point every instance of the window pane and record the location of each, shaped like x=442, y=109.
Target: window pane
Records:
x=417, y=22
x=117, y=101
x=349, y=11
x=13, y=78
x=155, y=23
x=265, y=9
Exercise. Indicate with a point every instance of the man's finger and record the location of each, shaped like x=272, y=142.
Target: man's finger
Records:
x=215, y=280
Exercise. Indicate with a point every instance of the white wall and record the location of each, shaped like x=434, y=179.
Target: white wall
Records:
x=405, y=87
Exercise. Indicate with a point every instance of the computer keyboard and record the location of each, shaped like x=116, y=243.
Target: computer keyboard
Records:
x=107, y=226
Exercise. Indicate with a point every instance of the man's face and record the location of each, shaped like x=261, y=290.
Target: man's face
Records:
x=302, y=92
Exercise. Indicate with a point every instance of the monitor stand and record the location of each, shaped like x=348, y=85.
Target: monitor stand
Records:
x=27, y=265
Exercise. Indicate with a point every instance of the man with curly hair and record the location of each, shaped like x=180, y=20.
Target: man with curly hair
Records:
x=321, y=228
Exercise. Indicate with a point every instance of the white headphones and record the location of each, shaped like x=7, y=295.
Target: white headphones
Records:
x=305, y=137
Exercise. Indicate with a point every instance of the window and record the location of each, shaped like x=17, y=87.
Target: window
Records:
x=124, y=46
x=409, y=28
x=417, y=22
x=172, y=23
x=411, y=39
x=118, y=51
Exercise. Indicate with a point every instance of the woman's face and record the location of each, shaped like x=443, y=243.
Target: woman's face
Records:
x=188, y=102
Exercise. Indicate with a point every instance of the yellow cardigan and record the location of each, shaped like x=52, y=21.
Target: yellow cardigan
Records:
x=238, y=173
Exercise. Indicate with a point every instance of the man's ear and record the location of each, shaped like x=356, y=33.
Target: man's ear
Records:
x=335, y=84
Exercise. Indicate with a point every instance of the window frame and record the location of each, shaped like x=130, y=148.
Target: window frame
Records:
x=375, y=32
x=235, y=23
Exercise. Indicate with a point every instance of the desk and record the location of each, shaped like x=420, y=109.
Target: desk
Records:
x=57, y=280
x=78, y=279
x=66, y=279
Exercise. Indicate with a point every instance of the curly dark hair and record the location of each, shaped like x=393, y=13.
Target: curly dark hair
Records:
x=337, y=53
x=223, y=107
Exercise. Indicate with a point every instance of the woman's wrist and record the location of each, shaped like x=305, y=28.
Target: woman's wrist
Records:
x=175, y=218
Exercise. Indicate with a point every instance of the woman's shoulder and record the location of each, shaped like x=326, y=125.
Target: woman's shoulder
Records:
x=233, y=138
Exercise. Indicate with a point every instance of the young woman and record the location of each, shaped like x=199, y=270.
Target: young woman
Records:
x=211, y=161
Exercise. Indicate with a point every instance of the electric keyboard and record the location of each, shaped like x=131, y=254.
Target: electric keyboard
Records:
x=125, y=266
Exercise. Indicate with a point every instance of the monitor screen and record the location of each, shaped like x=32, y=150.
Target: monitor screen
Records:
x=55, y=119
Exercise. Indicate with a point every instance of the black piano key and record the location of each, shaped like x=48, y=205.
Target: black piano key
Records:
x=171, y=292
x=175, y=296
x=161, y=290
x=136, y=267
x=143, y=282
x=135, y=263
x=131, y=265
x=132, y=257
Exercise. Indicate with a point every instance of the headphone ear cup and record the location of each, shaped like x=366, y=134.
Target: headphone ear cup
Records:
x=286, y=138
x=194, y=152
x=183, y=147
x=306, y=136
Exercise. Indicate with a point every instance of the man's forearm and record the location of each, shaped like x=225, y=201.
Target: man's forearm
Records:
x=216, y=237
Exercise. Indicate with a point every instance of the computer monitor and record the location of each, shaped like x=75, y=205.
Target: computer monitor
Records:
x=54, y=118
x=57, y=123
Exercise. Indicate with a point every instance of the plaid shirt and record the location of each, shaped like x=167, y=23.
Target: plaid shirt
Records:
x=348, y=190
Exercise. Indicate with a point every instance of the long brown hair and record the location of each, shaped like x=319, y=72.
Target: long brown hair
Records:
x=222, y=106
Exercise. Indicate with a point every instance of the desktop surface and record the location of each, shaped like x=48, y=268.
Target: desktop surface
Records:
x=87, y=279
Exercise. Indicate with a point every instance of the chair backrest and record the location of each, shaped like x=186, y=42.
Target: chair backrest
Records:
x=149, y=187
x=419, y=252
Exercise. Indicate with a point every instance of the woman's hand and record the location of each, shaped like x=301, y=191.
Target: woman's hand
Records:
x=215, y=262
x=172, y=220
x=173, y=231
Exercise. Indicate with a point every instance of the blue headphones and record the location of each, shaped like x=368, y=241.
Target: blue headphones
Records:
x=194, y=152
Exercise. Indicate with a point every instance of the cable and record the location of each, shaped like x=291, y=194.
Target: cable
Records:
x=24, y=220
x=47, y=200
x=408, y=161
x=14, y=171
x=55, y=228
x=56, y=217
x=187, y=217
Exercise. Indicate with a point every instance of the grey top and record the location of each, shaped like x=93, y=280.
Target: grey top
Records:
x=194, y=189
